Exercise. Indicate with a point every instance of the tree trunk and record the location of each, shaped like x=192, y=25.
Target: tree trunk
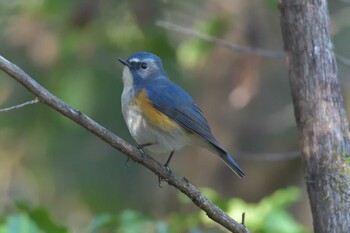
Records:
x=319, y=112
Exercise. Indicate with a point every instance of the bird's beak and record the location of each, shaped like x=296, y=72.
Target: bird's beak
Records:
x=124, y=62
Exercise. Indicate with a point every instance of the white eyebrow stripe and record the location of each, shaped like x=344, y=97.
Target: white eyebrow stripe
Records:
x=134, y=60
x=138, y=60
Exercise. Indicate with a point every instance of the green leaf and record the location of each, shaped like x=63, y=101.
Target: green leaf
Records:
x=102, y=221
x=41, y=218
x=193, y=51
x=282, y=221
x=19, y=223
x=132, y=221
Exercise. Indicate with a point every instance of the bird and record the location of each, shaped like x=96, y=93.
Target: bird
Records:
x=160, y=115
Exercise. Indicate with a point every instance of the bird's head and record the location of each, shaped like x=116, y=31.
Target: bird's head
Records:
x=141, y=66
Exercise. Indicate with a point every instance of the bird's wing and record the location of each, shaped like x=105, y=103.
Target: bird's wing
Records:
x=177, y=104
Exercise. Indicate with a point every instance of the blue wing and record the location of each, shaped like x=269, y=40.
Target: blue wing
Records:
x=177, y=104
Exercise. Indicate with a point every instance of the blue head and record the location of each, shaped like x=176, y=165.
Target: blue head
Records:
x=141, y=67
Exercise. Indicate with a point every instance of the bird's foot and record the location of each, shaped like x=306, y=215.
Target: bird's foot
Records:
x=160, y=179
x=127, y=162
x=144, y=155
x=141, y=146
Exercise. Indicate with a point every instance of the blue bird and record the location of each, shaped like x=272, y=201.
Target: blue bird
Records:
x=160, y=115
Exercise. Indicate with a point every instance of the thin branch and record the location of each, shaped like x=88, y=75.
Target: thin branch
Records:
x=34, y=101
x=181, y=183
x=236, y=47
x=224, y=43
x=268, y=156
x=343, y=60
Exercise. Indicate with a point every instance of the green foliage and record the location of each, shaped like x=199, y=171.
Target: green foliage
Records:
x=101, y=222
x=128, y=221
x=193, y=52
x=270, y=215
x=30, y=220
x=19, y=223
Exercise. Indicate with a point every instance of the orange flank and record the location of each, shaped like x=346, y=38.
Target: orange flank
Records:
x=154, y=116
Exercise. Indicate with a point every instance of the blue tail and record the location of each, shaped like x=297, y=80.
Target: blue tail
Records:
x=230, y=162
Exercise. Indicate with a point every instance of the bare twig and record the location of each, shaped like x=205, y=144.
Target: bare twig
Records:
x=343, y=60
x=268, y=156
x=213, y=212
x=235, y=47
x=34, y=101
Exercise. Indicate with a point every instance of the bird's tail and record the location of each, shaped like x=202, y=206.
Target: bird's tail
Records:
x=215, y=147
x=230, y=162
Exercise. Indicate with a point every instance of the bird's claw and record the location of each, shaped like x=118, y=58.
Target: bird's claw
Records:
x=170, y=172
x=160, y=179
x=185, y=179
x=144, y=155
x=141, y=146
x=127, y=162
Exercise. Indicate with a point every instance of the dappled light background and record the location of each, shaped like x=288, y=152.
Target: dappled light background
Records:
x=71, y=48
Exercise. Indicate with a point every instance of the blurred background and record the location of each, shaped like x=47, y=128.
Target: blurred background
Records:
x=70, y=47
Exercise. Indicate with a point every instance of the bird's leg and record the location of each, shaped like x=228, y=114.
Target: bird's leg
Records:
x=168, y=160
x=166, y=165
x=140, y=147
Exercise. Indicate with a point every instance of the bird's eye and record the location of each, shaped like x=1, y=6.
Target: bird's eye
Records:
x=144, y=65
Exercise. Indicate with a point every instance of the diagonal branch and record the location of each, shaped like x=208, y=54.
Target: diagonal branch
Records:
x=229, y=45
x=34, y=101
x=268, y=156
x=343, y=60
x=213, y=212
x=232, y=46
